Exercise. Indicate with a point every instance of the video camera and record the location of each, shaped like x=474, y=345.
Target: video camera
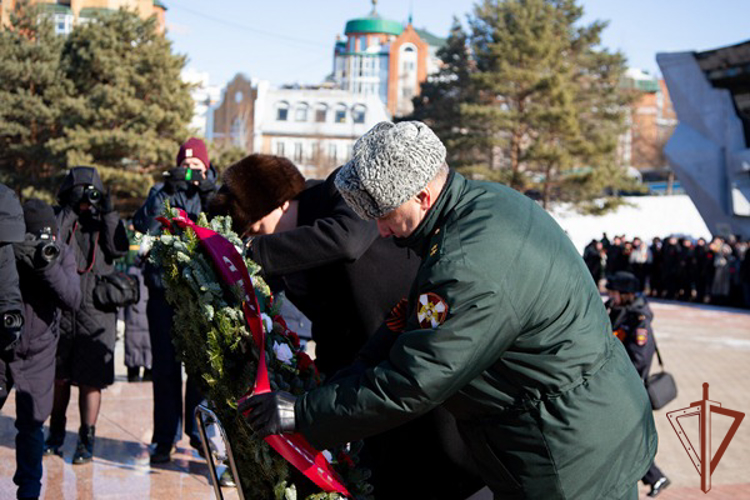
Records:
x=47, y=249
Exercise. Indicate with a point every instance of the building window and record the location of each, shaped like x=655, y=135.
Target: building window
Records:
x=321, y=110
x=300, y=114
x=63, y=24
x=238, y=132
x=279, y=148
x=282, y=111
x=362, y=43
x=298, y=151
x=358, y=113
x=340, y=116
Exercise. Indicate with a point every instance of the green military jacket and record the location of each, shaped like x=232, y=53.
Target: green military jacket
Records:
x=505, y=329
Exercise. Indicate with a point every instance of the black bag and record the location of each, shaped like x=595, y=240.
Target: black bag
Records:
x=116, y=290
x=661, y=386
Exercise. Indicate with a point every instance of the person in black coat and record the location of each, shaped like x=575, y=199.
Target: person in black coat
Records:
x=85, y=353
x=188, y=186
x=631, y=322
x=49, y=281
x=12, y=229
x=330, y=263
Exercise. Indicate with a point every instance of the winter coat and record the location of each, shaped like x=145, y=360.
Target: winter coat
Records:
x=137, y=339
x=45, y=292
x=191, y=201
x=346, y=279
x=632, y=325
x=87, y=336
x=331, y=265
x=506, y=330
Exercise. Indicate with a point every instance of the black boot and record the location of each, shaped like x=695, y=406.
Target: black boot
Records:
x=54, y=443
x=134, y=373
x=85, y=447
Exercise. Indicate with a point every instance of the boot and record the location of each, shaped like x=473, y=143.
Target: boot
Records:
x=85, y=447
x=54, y=443
x=134, y=373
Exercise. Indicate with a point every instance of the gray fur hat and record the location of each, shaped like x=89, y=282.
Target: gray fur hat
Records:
x=390, y=164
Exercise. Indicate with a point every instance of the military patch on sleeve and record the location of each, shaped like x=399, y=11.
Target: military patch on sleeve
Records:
x=396, y=320
x=432, y=310
x=641, y=336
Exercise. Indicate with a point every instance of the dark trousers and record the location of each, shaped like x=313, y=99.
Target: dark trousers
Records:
x=653, y=475
x=33, y=377
x=167, y=377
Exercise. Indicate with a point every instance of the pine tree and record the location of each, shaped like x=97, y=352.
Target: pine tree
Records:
x=441, y=96
x=534, y=102
x=136, y=107
x=35, y=98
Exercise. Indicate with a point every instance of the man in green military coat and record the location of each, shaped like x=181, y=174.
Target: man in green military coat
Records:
x=504, y=328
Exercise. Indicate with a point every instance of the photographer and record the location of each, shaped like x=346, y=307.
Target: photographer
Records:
x=85, y=355
x=12, y=229
x=188, y=186
x=48, y=281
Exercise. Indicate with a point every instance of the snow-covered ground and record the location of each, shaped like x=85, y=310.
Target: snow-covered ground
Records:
x=645, y=217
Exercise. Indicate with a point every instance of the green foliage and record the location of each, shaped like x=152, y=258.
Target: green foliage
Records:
x=536, y=102
x=109, y=95
x=35, y=100
x=211, y=337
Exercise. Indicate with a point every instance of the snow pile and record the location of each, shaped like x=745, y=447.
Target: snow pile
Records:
x=643, y=216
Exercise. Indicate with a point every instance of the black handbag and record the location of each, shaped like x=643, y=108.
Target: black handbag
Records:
x=661, y=386
x=116, y=290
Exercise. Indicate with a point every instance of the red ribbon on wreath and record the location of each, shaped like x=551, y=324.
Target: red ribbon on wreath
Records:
x=231, y=268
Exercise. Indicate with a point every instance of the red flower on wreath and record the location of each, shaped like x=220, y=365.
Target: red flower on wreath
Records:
x=304, y=362
x=344, y=458
x=293, y=337
x=280, y=320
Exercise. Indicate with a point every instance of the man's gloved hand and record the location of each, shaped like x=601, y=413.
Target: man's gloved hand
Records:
x=270, y=413
x=205, y=186
x=174, y=180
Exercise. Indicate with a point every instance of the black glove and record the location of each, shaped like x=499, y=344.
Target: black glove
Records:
x=270, y=413
x=205, y=186
x=174, y=180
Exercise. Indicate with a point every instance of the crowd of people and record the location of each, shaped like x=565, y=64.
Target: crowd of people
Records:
x=382, y=256
x=715, y=271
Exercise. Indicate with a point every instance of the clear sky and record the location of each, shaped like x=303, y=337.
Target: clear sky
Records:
x=287, y=41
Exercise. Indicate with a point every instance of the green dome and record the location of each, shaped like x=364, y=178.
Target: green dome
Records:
x=374, y=24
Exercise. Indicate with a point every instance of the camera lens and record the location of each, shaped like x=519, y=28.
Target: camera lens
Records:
x=50, y=252
x=93, y=195
x=12, y=320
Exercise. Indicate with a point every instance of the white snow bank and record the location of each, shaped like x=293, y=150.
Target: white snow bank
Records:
x=645, y=217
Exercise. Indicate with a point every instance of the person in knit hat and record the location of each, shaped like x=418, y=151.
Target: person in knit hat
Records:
x=189, y=185
x=48, y=282
x=330, y=263
x=503, y=328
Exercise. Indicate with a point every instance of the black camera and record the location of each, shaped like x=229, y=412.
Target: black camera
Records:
x=10, y=329
x=88, y=194
x=48, y=250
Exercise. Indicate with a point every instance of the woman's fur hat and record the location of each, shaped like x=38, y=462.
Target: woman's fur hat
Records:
x=254, y=187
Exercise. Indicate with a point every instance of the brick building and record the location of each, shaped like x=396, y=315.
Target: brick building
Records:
x=650, y=123
x=314, y=127
x=385, y=58
x=67, y=13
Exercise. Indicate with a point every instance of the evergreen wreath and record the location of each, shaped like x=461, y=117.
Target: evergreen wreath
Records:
x=211, y=337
